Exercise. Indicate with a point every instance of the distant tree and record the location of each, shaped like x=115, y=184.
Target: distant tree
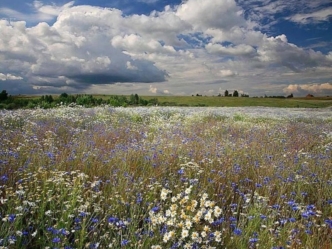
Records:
x=143, y=101
x=235, y=93
x=226, y=93
x=64, y=95
x=290, y=96
x=3, y=95
x=153, y=101
x=134, y=99
x=49, y=98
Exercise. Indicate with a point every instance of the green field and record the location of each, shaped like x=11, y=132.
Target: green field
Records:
x=210, y=101
x=214, y=101
x=239, y=101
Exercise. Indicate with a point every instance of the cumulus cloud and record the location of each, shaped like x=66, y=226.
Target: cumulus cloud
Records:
x=76, y=49
x=137, y=44
x=323, y=88
x=238, y=50
x=211, y=14
x=227, y=73
x=278, y=50
x=156, y=91
x=182, y=48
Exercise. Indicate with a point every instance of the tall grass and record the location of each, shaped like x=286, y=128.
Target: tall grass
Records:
x=164, y=178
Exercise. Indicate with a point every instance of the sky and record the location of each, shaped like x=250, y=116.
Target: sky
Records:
x=159, y=47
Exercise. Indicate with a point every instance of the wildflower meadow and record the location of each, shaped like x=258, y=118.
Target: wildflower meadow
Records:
x=158, y=177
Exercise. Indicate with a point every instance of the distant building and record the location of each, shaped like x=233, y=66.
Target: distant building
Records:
x=309, y=95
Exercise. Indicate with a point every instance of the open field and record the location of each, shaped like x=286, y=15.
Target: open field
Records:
x=239, y=101
x=214, y=101
x=162, y=177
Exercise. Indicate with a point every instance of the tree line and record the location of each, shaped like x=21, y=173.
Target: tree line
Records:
x=86, y=100
x=235, y=94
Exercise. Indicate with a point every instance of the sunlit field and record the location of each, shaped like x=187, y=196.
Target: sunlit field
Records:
x=156, y=177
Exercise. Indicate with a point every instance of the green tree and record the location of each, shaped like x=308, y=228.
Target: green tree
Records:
x=63, y=95
x=3, y=95
x=134, y=99
x=235, y=93
x=49, y=98
x=226, y=93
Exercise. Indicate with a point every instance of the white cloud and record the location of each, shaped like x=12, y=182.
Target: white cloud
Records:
x=313, y=17
x=278, y=50
x=325, y=88
x=239, y=50
x=222, y=14
x=227, y=73
x=137, y=44
x=156, y=91
x=269, y=13
x=9, y=76
x=153, y=89
x=195, y=47
x=77, y=47
x=40, y=12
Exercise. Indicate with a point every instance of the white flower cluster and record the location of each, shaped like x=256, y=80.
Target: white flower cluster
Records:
x=185, y=220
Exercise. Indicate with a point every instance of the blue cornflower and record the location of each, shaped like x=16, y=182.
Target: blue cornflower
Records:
x=124, y=242
x=163, y=229
x=295, y=208
x=77, y=220
x=63, y=231
x=217, y=222
x=283, y=221
x=292, y=219
x=211, y=236
x=4, y=178
x=263, y=217
x=155, y=209
x=237, y=231
x=82, y=214
x=94, y=220
x=310, y=207
x=305, y=215
x=253, y=240
x=94, y=245
x=11, y=217
x=181, y=171
x=56, y=240
x=329, y=222
x=175, y=245
x=232, y=219
x=113, y=219
x=139, y=198
x=121, y=224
